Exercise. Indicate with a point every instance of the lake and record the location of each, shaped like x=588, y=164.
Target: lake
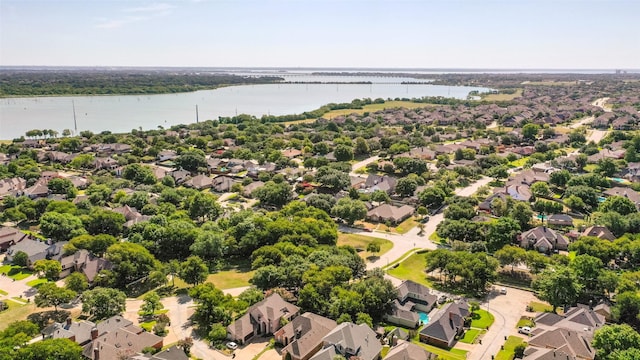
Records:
x=124, y=113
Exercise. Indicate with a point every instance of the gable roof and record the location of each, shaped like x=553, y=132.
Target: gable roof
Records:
x=10, y=236
x=568, y=341
x=599, y=231
x=446, y=322
x=390, y=212
x=353, y=340
x=308, y=329
x=409, y=351
x=272, y=308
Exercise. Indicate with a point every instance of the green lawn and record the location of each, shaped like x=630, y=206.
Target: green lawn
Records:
x=470, y=336
x=148, y=325
x=2, y=292
x=15, y=272
x=360, y=242
x=443, y=354
x=525, y=321
x=15, y=312
x=520, y=162
x=509, y=347
x=481, y=319
x=406, y=225
x=412, y=269
x=37, y=282
x=232, y=277
x=540, y=307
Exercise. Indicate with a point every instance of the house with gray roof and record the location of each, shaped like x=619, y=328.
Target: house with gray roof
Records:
x=10, y=236
x=350, y=340
x=387, y=212
x=412, y=297
x=599, y=231
x=409, y=351
x=302, y=337
x=262, y=318
x=446, y=325
x=625, y=192
x=560, y=220
x=35, y=250
x=543, y=239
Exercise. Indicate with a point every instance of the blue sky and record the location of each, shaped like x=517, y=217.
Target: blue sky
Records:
x=523, y=34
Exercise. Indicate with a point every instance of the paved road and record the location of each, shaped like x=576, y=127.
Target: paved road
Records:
x=362, y=163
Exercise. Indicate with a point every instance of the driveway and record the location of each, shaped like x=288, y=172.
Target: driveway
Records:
x=507, y=310
x=253, y=348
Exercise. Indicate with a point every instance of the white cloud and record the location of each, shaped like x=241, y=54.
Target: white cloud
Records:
x=143, y=13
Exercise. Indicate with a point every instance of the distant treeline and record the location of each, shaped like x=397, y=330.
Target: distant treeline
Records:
x=42, y=83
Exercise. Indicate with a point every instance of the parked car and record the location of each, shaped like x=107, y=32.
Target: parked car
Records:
x=524, y=330
x=503, y=291
x=231, y=345
x=442, y=299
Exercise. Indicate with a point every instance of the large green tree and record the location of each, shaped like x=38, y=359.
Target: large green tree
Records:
x=49, y=294
x=58, y=349
x=559, y=286
x=102, y=303
x=349, y=210
x=612, y=339
x=194, y=271
x=61, y=227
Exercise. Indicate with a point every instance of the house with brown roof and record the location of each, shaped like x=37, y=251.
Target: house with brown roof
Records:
x=10, y=236
x=409, y=351
x=350, y=341
x=222, y=183
x=412, y=297
x=262, y=318
x=291, y=153
x=199, y=182
x=560, y=220
x=599, y=231
x=38, y=190
x=12, y=186
x=625, y=192
x=543, y=239
x=387, y=212
x=302, y=337
x=84, y=262
x=383, y=183
x=250, y=188
x=446, y=325
x=606, y=154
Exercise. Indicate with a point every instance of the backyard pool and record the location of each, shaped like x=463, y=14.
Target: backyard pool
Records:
x=424, y=318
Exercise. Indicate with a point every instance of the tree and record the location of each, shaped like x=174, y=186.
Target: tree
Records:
x=273, y=194
x=209, y=246
x=251, y=296
x=432, y=197
x=218, y=333
x=540, y=189
x=49, y=294
x=362, y=147
x=364, y=318
x=530, y=131
x=82, y=161
x=406, y=186
x=21, y=259
x=349, y=210
x=151, y=303
x=333, y=179
x=203, y=206
x=102, y=221
x=49, y=269
x=103, y=303
x=62, y=186
x=559, y=286
x=131, y=262
x=343, y=152
x=61, y=227
x=627, y=308
x=502, y=232
x=191, y=160
x=194, y=271
x=620, y=204
x=344, y=318
x=587, y=269
x=59, y=349
x=559, y=178
x=139, y=174
x=510, y=255
x=522, y=213
x=373, y=247
x=77, y=282
x=606, y=167
x=610, y=339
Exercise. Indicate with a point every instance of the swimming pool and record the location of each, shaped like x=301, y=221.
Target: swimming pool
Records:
x=424, y=318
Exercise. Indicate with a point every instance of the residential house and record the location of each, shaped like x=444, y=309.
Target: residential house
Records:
x=383, y=183
x=222, y=183
x=109, y=339
x=166, y=155
x=606, y=154
x=599, y=231
x=105, y=163
x=628, y=193
x=302, y=337
x=568, y=335
x=12, y=186
x=250, y=188
x=131, y=215
x=262, y=318
x=38, y=190
x=199, y=182
x=357, y=182
x=486, y=204
x=35, y=250
x=412, y=297
x=291, y=153
x=10, y=236
x=84, y=262
x=446, y=325
x=409, y=351
x=350, y=341
x=560, y=220
x=172, y=353
x=387, y=212
x=543, y=239
x=180, y=176
x=422, y=152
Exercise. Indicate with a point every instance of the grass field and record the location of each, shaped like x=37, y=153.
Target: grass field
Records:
x=15, y=272
x=2, y=292
x=361, y=242
x=481, y=319
x=470, y=336
x=367, y=108
x=37, y=282
x=412, y=269
x=525, y=321
x=406, y=225
x=15, y=312
x=502, y=97
x=509, y=346
x=540, y=307
x=234, y=276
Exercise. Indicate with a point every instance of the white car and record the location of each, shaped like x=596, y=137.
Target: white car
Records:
x=231, y=345
x=524, y=330
x=503, y=291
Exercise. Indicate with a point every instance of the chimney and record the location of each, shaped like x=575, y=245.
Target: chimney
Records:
x=94, y=333
x=96, y=353
x=68, y=321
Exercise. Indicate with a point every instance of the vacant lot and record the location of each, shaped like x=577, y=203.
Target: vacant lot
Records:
x=360, y=242
x=234, y=276
x=412, y=269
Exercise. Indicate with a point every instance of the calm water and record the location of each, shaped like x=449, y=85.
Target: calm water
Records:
x=124, y=113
